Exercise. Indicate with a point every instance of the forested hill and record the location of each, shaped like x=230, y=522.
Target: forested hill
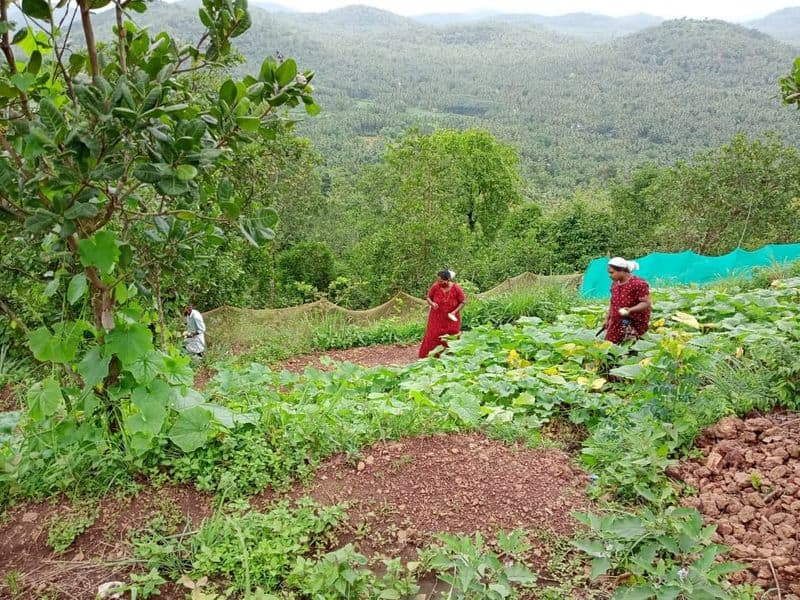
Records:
x=578, y=24
x=576, y=109
x=783, y=25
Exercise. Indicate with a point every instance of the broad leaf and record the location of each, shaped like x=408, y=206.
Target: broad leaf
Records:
x=37, y=9
x=94, y=367
x=600, y=566
x=627, y=371
x=77, y=288
x=286, y=73
x=228, y=92
x=152, y=403
x=191, y=429
x=59, y=347
x=130, y=342
x=147, y=367
x=44, y=399
x=99, y=251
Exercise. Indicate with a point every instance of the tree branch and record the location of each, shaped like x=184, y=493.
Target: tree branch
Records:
x=12, y=316
x=123, y=66
x=5, y=44
x=88, y=34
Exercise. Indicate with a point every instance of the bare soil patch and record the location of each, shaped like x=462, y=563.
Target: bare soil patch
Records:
x=8, y=399
x=367, y=356
x=98, y=554
x=402, y=493
x=748, y=483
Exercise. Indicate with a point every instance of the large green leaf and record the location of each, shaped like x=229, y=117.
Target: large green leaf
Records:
x=627, y=371
x=147, y=367
x=44, y=399
x=152, y=402
x=77, y=288
x=248, y=124
x=37, y=9
x=94, y=367
x=130, y=342
x=99, y=251
x=228, y=92
x=191, y=429
x=81, y=210
x=51, y=117
x=59, y=347
x=286, y=73
x=172, y=185
x=628, y=528
x=150, y=172
x=600, y=566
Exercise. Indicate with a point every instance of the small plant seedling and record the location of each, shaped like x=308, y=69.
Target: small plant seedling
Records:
x=64, y=529
x=755, y=480
x=14, y=584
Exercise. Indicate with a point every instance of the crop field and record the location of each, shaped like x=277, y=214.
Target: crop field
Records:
x=532, y=460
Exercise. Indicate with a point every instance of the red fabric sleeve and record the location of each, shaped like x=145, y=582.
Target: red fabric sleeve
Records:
x=430, y=293
x=642, y=290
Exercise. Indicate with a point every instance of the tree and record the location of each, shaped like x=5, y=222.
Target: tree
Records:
x=433, y=199
x=107, y=154
x=739, y=195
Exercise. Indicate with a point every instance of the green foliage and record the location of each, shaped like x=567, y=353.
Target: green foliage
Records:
x=666, y=555
x=259, y=549
x=790, y=85
x=534, y=94
x=65, y=528
x=473, y=571
x=546, y=302
x=307, y=262
x=342, y=575
x=332, y=335
x=431, y=199
x=108, y=162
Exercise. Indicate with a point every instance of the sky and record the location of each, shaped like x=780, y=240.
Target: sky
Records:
x=697, y=9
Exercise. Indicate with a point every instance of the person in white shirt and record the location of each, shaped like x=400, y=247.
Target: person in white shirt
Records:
x=195, y=342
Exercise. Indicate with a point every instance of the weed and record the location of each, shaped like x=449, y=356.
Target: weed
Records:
x=65, y=528
x=475, y=572
x=144, y=585
x=14, y=584
x=755, y=480
x=342, y=575
x=669, y=551
x=259, y=549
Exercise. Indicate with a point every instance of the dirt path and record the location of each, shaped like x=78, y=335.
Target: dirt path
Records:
x=98, y=554
x=368, y=356
x=401, y=493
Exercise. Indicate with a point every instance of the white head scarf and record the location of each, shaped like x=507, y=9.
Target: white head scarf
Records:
x=452, y=274
x=621, y=263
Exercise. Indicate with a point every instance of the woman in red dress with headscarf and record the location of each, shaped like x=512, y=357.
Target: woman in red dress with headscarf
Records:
x=629, y=314
x=445, y=299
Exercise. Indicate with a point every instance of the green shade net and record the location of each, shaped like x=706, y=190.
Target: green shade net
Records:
x=683, y=268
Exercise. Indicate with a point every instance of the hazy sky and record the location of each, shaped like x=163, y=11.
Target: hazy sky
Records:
x=720, y=9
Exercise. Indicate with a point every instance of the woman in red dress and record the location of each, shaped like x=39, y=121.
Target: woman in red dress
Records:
x=445, y=298
x=629, y=314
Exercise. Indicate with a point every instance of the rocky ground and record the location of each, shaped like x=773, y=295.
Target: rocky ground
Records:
x=748, y=484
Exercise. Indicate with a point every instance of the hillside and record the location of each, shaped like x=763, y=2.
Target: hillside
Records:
x=783, y=25
x=587, y=25
x=577, y=110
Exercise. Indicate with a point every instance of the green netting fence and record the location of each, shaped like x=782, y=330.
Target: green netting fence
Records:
x=245, y=326
x=682, y=268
